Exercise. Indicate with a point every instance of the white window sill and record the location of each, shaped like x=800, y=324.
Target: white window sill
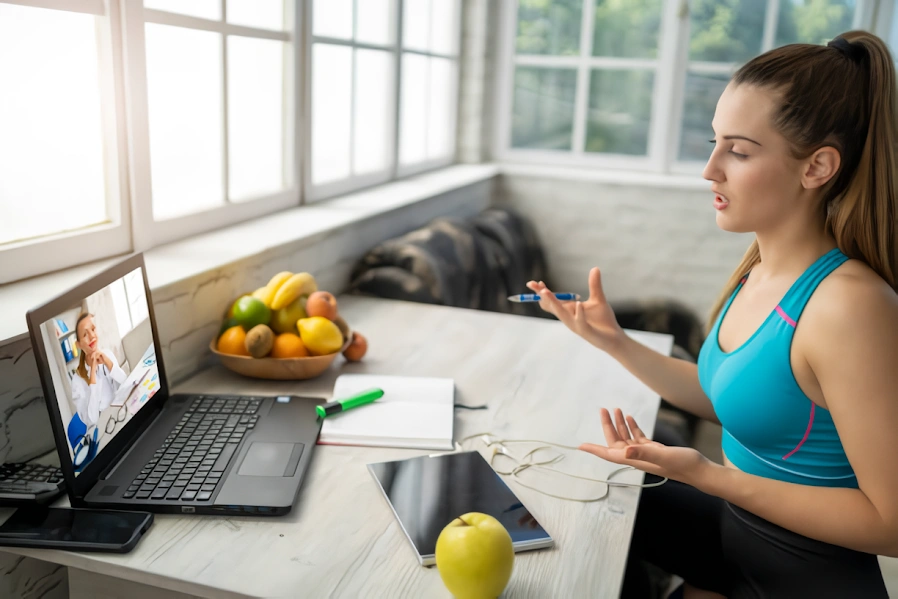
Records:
x=180, y=260
x=607, y=175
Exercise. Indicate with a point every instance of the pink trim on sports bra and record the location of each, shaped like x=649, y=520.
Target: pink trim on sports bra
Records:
x=785, y=316
x=806, y=433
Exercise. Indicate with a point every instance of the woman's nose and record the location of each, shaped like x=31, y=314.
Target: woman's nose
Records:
x=712, y=170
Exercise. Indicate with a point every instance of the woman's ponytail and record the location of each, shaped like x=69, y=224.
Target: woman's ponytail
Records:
x=863, y=218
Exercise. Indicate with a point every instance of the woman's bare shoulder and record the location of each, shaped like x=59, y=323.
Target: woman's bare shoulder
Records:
x=853, y=293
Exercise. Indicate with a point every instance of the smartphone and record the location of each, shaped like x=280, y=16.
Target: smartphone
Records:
x=74, y=529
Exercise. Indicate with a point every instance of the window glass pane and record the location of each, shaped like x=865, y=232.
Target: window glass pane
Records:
x=206, y=9
x=813, y=22
x=331, y=101
x=120, y=308
x=620, y=108
x=444, y=27
x=413, y=109
x=726, y=31
x=137, y=298
x=701, y=95
x=549, y=27
x=416, y=24
x=543, y=113
x=264, y=14
x=441, y=115
x=50, y=123
x=376, y=22
x=629, y=29
x=185, y=108
x=332, y=18
x=375, y=111
x=255, y=117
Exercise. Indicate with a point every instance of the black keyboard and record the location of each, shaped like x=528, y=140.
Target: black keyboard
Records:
x=22, y=483
x=191, y=461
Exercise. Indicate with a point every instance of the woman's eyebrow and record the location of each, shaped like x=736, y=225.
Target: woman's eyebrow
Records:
x=741, y=137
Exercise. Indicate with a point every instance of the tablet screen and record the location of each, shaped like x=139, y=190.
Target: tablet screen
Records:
x=426, y=493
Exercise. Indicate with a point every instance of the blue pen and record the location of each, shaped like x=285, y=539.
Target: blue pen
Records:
x=534, y=297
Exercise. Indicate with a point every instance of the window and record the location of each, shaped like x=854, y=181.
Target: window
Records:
x=725, y=35
x=61, y=174
x=383, y=95
x=212, y=113
x=125, y=124
x=634, y=83
x=129, y=301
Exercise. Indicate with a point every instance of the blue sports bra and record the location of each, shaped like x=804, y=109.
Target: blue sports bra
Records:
x=770, y=427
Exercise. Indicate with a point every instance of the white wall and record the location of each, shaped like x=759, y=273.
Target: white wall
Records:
x=649, y=241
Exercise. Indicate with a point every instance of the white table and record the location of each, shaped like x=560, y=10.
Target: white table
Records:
x=341, y=539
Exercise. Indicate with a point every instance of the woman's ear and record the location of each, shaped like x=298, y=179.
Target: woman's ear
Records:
x=820, y=167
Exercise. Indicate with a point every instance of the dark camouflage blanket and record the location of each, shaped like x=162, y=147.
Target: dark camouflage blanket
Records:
x=474, y=263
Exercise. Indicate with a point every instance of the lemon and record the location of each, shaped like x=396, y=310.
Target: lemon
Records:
x=319, y=335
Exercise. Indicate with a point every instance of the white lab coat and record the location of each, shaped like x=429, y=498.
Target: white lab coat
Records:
x=90, y=400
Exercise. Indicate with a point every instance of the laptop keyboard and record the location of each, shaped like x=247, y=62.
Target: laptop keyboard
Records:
x=191, y=461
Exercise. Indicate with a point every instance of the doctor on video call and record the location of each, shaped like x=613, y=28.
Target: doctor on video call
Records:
x=98, y=374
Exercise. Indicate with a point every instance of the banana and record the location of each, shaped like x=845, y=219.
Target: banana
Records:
x=301, y=283
x=277, y=280
x=266, y=293
x=262, y=294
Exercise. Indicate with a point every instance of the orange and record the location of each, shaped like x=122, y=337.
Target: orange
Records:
x=288, y=345
x=233, y=341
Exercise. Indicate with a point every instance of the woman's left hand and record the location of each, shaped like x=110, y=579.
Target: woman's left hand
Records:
x=103, y=359
x=628, y=445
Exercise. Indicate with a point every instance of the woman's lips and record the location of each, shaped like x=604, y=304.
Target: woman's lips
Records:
x=720, y=202
x=93, y=344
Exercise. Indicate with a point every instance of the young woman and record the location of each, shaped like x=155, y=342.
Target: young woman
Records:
x=799, y=365
x=98, y=375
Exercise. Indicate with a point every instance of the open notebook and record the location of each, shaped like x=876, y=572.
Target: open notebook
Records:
x=414, y=412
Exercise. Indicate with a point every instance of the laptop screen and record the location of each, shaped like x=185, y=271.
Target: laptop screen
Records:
x=102, y=361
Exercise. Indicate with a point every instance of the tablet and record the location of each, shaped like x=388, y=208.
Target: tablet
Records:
x=428, y=492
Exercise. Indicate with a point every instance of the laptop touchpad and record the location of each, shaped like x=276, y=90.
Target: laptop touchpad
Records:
x=271, y=459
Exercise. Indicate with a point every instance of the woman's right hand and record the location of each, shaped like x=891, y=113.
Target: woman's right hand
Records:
x=593, y=319
x=94, y=361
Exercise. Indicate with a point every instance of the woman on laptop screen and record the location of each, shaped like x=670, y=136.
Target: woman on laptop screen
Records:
x=98, y=375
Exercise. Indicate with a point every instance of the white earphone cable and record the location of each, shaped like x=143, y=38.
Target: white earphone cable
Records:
x=528, y=461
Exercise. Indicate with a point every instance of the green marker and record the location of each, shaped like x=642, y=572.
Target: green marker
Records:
x=359, y=399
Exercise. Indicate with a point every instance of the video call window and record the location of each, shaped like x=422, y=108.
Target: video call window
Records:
x=103, y=364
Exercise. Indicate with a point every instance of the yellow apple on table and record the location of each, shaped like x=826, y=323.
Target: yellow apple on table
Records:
x=475, y=556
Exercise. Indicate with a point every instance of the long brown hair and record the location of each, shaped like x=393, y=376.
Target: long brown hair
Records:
x=841, y=95
x=82, y=365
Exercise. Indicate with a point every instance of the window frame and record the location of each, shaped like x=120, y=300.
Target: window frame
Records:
x=395, y=170
x=671, y=67
x=329, y=189
x=439, y=162
x=27, y=258
x=151, y=233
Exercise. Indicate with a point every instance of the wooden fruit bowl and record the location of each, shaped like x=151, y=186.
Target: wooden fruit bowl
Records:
x=278, y=368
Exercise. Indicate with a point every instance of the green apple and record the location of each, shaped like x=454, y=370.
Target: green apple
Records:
x=474, y=556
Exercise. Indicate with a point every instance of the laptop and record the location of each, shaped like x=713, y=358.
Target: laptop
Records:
x=125, y=441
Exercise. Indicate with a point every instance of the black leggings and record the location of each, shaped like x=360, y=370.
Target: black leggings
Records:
x=716, y=546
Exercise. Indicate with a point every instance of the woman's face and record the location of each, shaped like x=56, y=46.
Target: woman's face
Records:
x=87, y=335
x=754, y=177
